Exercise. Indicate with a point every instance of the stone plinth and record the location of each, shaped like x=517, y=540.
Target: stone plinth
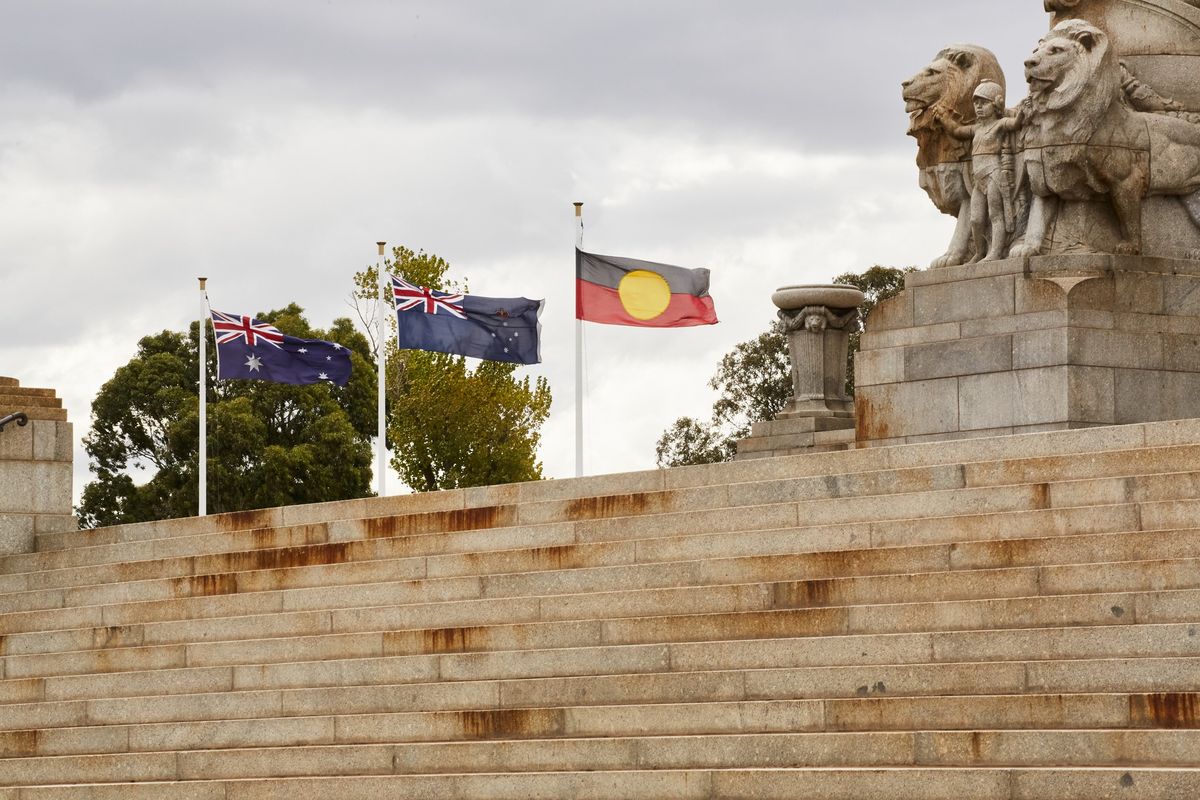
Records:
x=818, y=320
x=1035, y=344
x=35, y=467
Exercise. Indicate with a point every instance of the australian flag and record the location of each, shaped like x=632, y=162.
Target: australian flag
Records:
x=495, y=328
x=247, y=348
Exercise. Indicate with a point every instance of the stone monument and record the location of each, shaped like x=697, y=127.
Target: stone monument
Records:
x=35, y=467
x=818, y=320
x=1088, y=313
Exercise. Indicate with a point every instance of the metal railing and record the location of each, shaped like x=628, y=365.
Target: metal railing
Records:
x=19, y=418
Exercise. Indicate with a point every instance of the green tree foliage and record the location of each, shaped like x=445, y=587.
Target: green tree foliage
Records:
x=269, y=444
x=754, y=382
x=450, y=426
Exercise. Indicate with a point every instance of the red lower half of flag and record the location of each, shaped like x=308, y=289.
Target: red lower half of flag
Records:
x=645, y=309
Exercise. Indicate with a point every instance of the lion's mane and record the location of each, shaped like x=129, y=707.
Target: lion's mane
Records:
x=952, y=77
x=1077, y=81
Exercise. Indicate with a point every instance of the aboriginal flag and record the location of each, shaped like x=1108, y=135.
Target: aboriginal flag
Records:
x=624, y=291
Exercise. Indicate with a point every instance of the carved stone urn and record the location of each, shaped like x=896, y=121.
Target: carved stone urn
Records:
x=818, y=320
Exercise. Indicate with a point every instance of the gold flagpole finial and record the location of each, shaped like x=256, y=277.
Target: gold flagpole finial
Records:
x=578, y=209
x=202, y=282
x=381, y=246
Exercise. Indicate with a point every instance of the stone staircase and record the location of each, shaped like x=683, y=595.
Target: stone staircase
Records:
x=1009, y=618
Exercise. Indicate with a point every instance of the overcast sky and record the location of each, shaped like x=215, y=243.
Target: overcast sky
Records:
x=269, y=145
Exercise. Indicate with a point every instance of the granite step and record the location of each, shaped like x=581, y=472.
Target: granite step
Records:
x=1060, y=446
x=1129, y=477
x=777, y=750
x=771, y=700
x=1106, y=608
x=886, y=589
x=1083, y=643
x=1153, y=506
x=895, y=783
x=793, y=554
x=546, y=545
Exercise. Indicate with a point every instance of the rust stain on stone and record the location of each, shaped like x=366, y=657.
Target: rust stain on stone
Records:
x=1007, y=552
x=509, y=723
x=1041, y=496
x=870, y=421
x=804, y=594
x=452, y=640
x=617, y=505
x=244, y=520
x=205, y=585
x=263, y=537
x=1168, y=709
x=289, y=557
x=116, y=636
x=558, y=557
x=14, y=744
x=462, y=519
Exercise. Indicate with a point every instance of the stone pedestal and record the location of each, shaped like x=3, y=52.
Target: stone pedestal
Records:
x=35, y=468
x=1034, y=344
x=818, y=320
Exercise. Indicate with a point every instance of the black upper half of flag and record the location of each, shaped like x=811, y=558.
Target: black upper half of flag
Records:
x=492, y=328
x=251, y=350
x=609, y=270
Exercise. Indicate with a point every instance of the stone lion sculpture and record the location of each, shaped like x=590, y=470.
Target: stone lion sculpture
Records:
x=944, y=88
x=1083, y=141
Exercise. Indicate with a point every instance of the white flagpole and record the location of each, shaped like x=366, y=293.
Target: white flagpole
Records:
x=203, y=399
x=381, y=364
x=578, y=355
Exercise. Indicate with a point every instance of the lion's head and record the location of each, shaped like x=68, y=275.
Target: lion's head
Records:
x=1073, y=78
x=946, y=86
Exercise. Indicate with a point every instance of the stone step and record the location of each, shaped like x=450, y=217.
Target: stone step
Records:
x=342, y=590
x=775, y=750
x=788, y=561
x=547, y=545
x=1164, y=488
x=475, y=505
x=1082, y=643
x=1111, y=608
x=694, y=672
x=892, y=783
x=905, y=587
x=21, y=399
x=495, y=569
x=1119, y=464
x=766, y=700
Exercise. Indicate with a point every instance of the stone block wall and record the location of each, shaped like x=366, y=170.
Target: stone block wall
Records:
x=1027, y=345
x=35, y=468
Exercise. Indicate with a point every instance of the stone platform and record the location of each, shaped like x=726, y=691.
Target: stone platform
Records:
x=1013, y=618
x=35, y=467
x=1027, y=345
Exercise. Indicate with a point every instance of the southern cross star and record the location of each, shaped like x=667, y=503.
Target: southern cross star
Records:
x=321, y=376
x=254, y=363
x=302, y=350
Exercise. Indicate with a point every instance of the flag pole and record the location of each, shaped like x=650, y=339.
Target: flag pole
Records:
x=203, y=509
x=381, y=369
x=578, y=353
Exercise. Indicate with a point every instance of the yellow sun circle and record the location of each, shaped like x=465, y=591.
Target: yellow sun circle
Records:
x=644, y=294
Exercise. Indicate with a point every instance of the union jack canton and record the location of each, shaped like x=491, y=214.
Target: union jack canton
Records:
x=410, y=297
x=253, y=350
x=495, y=328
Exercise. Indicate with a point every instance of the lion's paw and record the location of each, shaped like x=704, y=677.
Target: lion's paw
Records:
x=1127, y=249
x=1024, y=251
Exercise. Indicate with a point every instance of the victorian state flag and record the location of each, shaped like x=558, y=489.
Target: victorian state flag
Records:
x=249, y=349
x=626, y=291
x=493, y=328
